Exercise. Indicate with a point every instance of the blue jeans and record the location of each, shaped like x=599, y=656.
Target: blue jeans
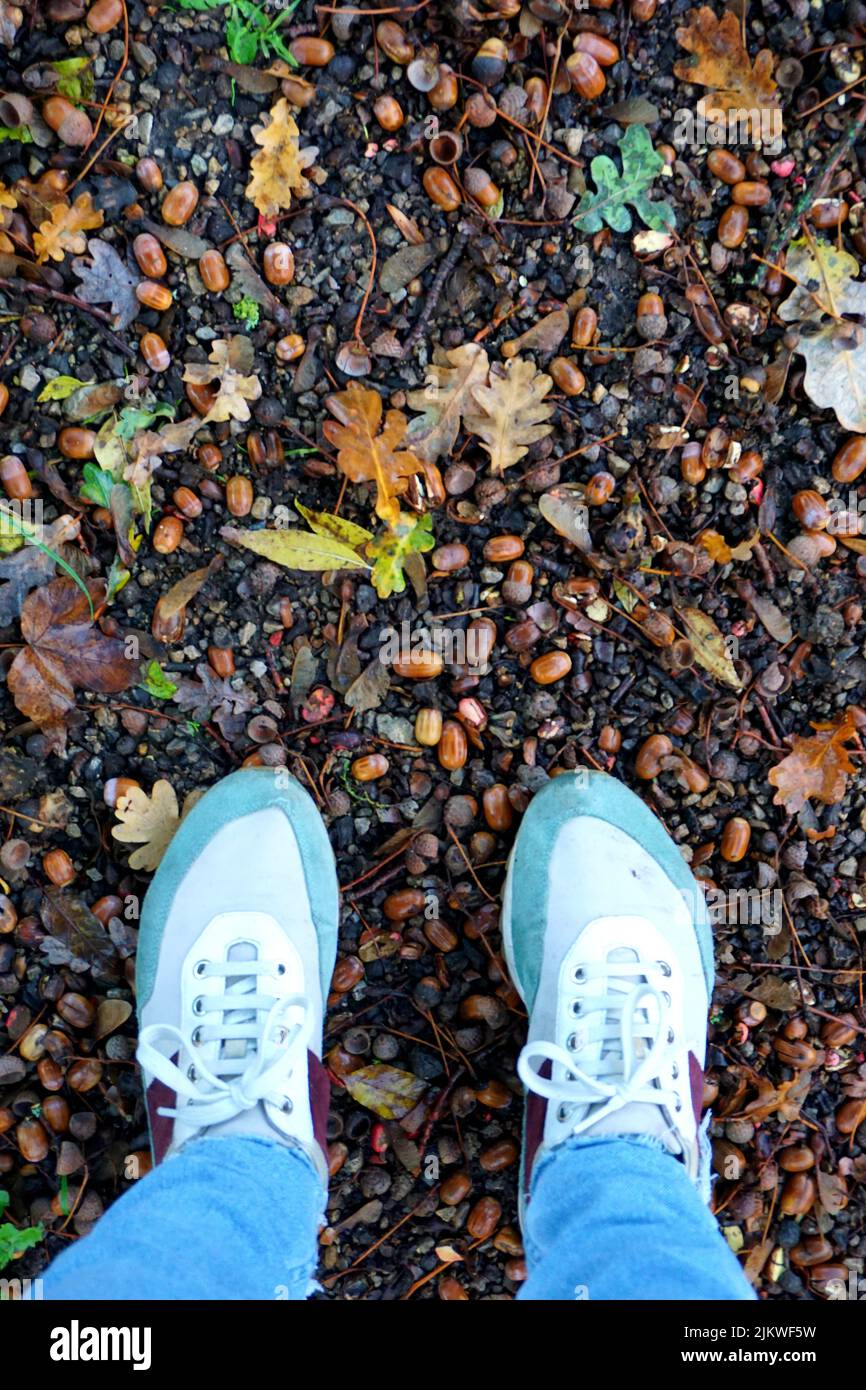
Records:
x=238, y=1219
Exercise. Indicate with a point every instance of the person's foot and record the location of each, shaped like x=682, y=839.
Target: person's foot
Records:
x=236, y=950
x=608, y=942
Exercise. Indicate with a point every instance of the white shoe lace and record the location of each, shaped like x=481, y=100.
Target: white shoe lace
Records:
x=638, y=1051
x=255, y=1055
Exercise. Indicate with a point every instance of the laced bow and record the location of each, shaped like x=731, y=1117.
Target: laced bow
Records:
x=636, y=1058
x=254, y=1057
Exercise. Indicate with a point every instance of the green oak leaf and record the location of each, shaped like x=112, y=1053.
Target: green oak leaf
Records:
x=156, y=682
x=640, y=166
x=390, y=548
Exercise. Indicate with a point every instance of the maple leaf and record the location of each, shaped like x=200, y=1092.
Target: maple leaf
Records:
x=277, y=170
x=231, y=364
x=64, y=230
x=444, y=399
x=64, y=649
x=391, y=548
x=7, y=197
x=365, y=455
x=834, y=348
x=816, y=767
x=720, y=61
x=640, y=166
x=510, y=413
x=148, y=821
x=106, y=280
x=214, y=696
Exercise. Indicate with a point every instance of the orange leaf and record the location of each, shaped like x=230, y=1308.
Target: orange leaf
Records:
x=722, y=63
x=816, y=767
x=365, y=455
x=64, y=230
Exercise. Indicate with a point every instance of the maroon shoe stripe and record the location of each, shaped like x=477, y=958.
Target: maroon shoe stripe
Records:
x=320, y=1099
x=696, y=1082
x=161, y=1126
x=535, y=1116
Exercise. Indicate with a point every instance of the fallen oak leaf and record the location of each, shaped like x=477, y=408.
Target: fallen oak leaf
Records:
x=721, y=62
x=278, y=169
x=390, y=548
x=213, y=696
x=106, y=280
x=816, y=767
x=64, y=230
x=231, y=363
x=364, y=454
x=64, y=649
x=510, y=413
x=445, y=397
x=641, y=165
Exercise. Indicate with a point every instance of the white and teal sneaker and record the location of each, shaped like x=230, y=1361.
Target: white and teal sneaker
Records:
x=609, y=944
x=236, y=950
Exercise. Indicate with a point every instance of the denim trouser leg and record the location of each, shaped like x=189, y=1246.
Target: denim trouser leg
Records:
x=232, y=1218
x=619, y=1218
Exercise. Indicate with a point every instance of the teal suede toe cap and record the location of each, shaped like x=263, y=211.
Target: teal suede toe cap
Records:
x=604, y=798
x=241, y=794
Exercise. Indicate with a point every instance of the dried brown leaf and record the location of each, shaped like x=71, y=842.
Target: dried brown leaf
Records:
x=510, y=413
x=64, y=649
x=816, y=767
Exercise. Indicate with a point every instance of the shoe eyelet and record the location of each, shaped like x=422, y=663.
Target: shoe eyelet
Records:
x=578, y=974
x=575, y=1008
x=670, y=1035
x=281, y=969
x=196, y=1037
x=678, y=1107
x=666, y=997
x=190, y=1072
x=199, y=968
x=287, y=1107
x=675, y=1072
x=665, y=968
x=198, y=1006
x=563, y=1113
x=571, y=1042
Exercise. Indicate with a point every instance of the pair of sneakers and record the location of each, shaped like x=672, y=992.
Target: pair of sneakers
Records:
x=605, y=936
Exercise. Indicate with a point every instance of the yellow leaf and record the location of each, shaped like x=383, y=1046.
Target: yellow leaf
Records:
x=327, y=524
x=277, y=170
x=7, y=197
x=709, y=647
x=65, y=228
x=297, y=550
x=510, y=413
